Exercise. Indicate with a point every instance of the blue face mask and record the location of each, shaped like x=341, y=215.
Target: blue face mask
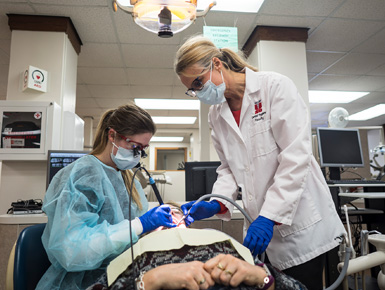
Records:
x=124, y=159
x=212, y=94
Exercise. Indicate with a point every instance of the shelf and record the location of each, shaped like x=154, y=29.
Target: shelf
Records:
x=362, y=211
x=357, y=185
x=371, y=195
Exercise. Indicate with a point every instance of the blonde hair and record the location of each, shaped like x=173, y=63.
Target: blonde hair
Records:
x=201, y=50
x=127, y=120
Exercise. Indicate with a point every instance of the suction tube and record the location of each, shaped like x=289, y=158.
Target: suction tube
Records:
x=153, y=185
x=348, y=250
x=229, y=200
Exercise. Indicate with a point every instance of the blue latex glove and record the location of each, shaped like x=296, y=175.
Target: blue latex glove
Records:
x=259, y=235
x=156, y=217
x=200, y=210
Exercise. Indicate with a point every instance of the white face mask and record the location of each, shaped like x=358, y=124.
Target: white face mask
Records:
x=212, y=94
x=124, y=159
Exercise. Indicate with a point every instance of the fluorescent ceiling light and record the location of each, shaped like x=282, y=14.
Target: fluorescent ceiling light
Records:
x=167, y=104
x=229, y=5
x=367, y=114
x=174, y=120
x=334, y=96
x=166, y=139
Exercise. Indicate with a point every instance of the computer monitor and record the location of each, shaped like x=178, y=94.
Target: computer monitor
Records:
x=58, y=159
x=339, y=148
x=200, y=178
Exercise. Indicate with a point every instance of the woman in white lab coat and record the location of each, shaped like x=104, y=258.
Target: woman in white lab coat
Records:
x=261, y=131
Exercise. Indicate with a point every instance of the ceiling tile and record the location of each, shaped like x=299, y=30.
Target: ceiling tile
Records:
x=102, y=76
x=82, y=91
x=373, y=98
x=150, y=76
x=341, y=35
x=152, y=92
x=108, y=91
x=179, y=92
x=90, y=112
x=319, y=61
x=86, y=103
x=367, y=84
x=357, y=9
x=100, y=55
x=4, y=68
x=331, y=83
x=5, y=46
x=379, y=71
x=4, y=58
x=144, y=56
x=356, y=64
x=105, y=103
x=375, y=44
x=117, y=53
x=300, y=7
x=93, y=23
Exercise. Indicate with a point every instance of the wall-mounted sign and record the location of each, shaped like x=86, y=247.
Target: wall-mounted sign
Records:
x=35, y=78
x=222, y=36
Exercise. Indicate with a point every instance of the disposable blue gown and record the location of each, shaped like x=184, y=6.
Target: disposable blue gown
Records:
x=87, y=208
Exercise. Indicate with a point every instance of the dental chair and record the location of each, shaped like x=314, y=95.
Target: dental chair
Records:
x=30, y=259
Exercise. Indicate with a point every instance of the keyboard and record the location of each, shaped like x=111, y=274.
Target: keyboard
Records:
x=355, y=181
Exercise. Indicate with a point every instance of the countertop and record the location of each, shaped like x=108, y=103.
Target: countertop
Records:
x=39, y=218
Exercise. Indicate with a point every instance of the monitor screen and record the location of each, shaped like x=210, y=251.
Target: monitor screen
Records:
x=57, y=159
x=339, y=147
x=200, y=178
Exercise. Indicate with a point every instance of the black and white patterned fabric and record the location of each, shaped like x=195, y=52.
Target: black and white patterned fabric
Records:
x=151, y=260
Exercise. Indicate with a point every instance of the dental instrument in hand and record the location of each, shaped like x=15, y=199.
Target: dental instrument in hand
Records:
x=183, y=217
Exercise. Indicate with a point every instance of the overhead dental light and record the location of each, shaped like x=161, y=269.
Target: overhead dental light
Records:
x=164, y=17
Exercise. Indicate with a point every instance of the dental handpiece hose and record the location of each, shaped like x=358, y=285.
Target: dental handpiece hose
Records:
x=348, y=250
x=153, y=185
x=155, y=189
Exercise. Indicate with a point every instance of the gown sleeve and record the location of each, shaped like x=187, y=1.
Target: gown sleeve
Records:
x=86, y=224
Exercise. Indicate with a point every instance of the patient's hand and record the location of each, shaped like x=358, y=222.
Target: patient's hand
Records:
x=190, y=275
x=229, y=270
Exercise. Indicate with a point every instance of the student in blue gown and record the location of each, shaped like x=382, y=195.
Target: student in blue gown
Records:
x=88, y=203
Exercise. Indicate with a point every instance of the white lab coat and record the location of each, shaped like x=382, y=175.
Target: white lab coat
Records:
x=269, y=157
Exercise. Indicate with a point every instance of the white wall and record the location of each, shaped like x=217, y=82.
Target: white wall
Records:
x=176, y=191
x=22, y=180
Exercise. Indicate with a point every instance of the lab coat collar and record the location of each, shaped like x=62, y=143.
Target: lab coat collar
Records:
x=225, y=113
x=252, y=86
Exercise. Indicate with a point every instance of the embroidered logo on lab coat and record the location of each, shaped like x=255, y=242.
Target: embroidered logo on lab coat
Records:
x=259, y=115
